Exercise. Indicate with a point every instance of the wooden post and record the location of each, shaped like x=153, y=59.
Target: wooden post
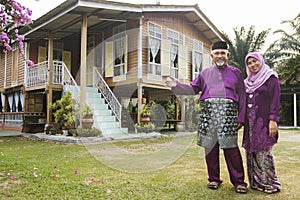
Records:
x=50, y=75
x=83, y=64
x=140, y=96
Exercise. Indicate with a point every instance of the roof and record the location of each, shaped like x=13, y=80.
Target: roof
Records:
x=65, y=20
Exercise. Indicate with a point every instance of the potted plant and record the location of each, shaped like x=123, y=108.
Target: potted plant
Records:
x=144, y=127
x=145, y=113
x=87, y=117
x=64, y=111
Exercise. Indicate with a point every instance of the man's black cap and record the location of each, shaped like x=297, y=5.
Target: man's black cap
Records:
x=219, y=45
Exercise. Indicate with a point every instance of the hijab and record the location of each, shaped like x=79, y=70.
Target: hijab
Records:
x=254, y=81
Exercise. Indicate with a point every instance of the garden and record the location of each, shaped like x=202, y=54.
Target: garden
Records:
x=42, y=169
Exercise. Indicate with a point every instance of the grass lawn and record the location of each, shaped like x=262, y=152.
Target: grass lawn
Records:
x=162, y=168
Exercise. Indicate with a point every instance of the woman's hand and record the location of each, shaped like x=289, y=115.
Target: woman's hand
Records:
x=171, y=82
x=273, y=128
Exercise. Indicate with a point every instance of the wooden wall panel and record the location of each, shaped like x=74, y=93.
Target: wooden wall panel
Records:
x=176, y=23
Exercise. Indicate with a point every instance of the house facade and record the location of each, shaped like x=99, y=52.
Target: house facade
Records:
x=122, y=52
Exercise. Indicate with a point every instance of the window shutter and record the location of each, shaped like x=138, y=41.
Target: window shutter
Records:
x=165, y=58
x=42, y=54
x=193, y=65
x=206, y=60
x=109, y=60
x=182, y=56
x=125, y=54
x=66, y=58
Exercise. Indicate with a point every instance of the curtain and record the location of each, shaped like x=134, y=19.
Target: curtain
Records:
x=198, y=61
x=154, y=45
x=10, y=101
x=126, y=103
x=16, y=98
x=22, y=100
x=2, y=101
x=120, y=48
x=173, y=53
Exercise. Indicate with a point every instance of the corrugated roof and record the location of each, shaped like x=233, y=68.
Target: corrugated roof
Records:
x=65, y=20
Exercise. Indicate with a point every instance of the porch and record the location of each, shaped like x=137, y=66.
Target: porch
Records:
x=26, y=109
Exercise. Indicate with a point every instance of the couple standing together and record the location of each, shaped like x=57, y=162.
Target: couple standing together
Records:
x=228, y=102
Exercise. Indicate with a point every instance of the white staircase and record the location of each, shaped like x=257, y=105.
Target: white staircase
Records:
x=104, y=120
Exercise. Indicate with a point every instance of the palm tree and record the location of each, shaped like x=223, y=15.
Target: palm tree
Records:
x=289, y=72
x=245, y=42
x=288, y=46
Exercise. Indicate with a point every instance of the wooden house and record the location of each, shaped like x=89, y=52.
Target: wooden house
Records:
x=107, y=52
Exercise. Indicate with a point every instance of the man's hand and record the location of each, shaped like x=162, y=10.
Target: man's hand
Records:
x=171, y=82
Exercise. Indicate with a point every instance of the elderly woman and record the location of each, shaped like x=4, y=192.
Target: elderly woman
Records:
x=261, y=127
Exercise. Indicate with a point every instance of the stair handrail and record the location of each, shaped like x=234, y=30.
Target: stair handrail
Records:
x=68, y=80
x=108, y=95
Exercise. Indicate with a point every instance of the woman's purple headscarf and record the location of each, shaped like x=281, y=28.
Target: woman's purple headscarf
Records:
x=254, y=81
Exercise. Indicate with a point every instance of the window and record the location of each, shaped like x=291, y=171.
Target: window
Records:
x=119, y=50
x=173, y=37
x=197, y=57
x=155, y=37
x=116, y=54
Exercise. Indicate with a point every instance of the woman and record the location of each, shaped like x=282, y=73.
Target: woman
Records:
x=261, y=127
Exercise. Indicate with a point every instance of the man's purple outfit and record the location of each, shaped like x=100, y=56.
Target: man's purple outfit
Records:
x=224, y=82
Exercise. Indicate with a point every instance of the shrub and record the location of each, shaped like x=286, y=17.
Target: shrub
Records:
x=84, y=132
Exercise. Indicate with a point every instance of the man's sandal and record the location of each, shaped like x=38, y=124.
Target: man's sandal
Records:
x=241, y=189
x=213, y=185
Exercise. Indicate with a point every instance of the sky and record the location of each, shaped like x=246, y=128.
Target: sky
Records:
x=225, y=15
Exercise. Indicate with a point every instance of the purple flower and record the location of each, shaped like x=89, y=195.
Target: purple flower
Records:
x=30, y=63
x=12, y=12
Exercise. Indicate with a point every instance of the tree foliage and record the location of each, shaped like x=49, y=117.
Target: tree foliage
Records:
x=245, y=41
x=288, y=45
x=289, y=72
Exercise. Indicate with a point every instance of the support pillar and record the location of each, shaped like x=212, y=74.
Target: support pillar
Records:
x=83, y=64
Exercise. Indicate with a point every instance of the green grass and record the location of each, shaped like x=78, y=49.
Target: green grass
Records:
x=35, y=169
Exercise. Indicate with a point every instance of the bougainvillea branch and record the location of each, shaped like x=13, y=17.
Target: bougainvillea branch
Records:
x=12, y=17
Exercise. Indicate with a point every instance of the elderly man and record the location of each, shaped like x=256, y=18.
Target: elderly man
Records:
x=222, y=115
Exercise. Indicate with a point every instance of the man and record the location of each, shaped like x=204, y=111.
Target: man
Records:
x=222, y=114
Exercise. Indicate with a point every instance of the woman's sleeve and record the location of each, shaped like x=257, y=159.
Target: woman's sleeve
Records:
x=274, y=91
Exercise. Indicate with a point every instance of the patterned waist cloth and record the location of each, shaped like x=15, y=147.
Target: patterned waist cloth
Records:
x=217, y=123
x=218, y=100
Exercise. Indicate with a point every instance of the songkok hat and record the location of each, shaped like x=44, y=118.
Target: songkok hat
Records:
x=219, y=45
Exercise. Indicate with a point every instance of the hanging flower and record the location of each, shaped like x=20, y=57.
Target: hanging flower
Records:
x=30, y=63
x=12, y=17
